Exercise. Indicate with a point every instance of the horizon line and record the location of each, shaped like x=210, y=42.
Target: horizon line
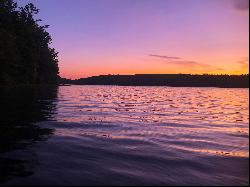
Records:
x=243, y=74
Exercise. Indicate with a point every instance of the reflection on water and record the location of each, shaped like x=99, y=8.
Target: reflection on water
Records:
x=22, y=107
x=118, y=135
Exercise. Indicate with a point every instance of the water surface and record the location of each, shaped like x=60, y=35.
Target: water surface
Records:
x=118, y=135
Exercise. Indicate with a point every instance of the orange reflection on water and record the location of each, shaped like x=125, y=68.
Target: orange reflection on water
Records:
x=204, y=120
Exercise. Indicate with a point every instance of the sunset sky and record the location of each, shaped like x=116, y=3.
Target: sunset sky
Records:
x=147, y=36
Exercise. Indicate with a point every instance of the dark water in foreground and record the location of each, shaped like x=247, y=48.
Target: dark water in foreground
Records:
x=114, y=135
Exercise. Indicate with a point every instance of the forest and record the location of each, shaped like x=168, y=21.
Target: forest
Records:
x=174, y=80
x=25, y=53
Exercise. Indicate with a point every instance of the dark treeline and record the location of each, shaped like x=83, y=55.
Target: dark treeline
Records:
x=175, y=80
x=25, y=55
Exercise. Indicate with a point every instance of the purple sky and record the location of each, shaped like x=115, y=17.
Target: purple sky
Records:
x=135, y=36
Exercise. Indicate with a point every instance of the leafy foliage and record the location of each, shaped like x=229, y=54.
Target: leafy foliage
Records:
x=25, y=54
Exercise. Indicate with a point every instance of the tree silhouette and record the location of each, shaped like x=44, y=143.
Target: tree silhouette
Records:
x=175, y=80
x=25, y=54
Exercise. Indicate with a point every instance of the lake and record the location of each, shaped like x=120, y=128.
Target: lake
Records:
x=121, y=135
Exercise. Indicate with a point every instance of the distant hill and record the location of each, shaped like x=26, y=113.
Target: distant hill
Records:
x=175, y=80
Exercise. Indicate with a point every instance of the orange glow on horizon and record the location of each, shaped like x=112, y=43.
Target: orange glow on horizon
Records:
x=84, y=74
x=149, y=67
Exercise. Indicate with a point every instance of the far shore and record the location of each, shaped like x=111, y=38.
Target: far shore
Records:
x=172, y=80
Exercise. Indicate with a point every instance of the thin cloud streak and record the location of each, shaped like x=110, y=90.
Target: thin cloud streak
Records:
x=178, y=60
x=165, y=57
x=182, y=62
x=241, y=5
x=244, y=63
x=186, y=62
